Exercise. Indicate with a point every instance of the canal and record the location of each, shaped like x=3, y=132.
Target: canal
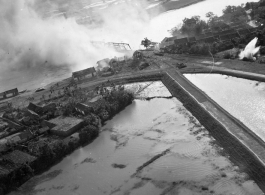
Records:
x=243, y=98
x=153, y=147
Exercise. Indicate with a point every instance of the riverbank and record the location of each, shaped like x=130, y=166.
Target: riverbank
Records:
x=245, y=149
x=146, y=149
x=23, y=161
x=246, y=159
x=168, y=5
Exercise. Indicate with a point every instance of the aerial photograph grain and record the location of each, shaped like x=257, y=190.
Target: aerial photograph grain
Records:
x=132, y=97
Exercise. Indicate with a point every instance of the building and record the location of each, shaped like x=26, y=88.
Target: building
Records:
x=200, y=37
x=116, y=46
x=182, y=41
x=9, y=93
x=83, y=108
x=66, y=126
x=163, y=43
x=168, y=41
x=225, y=32
x=89, y=72
x=207, y=40
x=24, y=136
x=229, y=36
x=192, y=39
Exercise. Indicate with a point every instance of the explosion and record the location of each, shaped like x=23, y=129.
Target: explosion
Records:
x=250, y=50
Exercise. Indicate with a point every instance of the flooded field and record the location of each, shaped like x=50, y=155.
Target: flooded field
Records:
x=152, y=147
x=244, y=99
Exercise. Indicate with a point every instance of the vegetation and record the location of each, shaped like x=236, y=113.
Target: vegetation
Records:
x=49, y=149
x=194, y=26
x=146, y=42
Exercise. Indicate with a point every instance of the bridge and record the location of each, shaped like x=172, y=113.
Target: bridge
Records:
x=116, y=46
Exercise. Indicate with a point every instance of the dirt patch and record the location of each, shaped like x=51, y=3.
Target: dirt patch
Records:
x=119, y=166
x=88, y=160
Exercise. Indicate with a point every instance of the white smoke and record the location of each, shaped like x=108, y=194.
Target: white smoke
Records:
x=250, y=50
x=30, y=42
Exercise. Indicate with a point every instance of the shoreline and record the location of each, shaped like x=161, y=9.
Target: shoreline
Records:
x=162, y=9
x=209, y=121
x=22, y=162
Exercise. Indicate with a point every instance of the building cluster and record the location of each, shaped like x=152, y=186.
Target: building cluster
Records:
x=16, y=125
x=8, y=94
x=233, y=32
x=88, y=72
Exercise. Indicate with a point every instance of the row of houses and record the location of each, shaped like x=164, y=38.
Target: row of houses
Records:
x=8, y=94
x=222, y=36
x=91, y=72
x=230, y=26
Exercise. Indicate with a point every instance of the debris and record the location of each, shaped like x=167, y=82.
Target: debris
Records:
x=143, y=65
x=181, y=65
x=120, y=166
x=39, y=89
x=159, y=53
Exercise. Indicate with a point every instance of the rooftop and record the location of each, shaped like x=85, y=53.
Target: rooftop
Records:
x=65, y=125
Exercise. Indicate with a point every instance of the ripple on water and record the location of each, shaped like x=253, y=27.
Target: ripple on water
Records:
x=175, y=168
x=143, y=130
x=188, y=149
x=228, y=186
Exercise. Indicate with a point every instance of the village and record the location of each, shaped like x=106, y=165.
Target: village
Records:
x=39, y=127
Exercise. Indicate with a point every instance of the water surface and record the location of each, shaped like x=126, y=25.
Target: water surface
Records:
x=194, y=164
x=244, y=99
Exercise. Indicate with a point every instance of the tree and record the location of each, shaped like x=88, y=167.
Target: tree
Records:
x=192, y=26
x=210, y=15
x=146, y=42
x=229, y=9
x=247, y=6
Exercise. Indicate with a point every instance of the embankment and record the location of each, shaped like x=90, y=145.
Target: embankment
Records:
x=39, y=154
x=243, y=155
x=225, y=71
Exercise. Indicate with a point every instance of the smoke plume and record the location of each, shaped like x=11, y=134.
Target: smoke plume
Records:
x=31, y=40
x=250, y=50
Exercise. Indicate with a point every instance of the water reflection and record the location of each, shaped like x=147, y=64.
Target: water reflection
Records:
x=141, y=132
x=244, y=99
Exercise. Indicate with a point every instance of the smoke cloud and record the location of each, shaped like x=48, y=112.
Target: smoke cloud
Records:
x=250, y=50
x=30, y=41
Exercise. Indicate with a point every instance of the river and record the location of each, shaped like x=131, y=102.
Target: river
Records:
x=120, y=161
x=160, y=25
x=244, y=99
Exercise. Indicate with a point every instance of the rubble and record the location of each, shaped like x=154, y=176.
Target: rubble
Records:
x=40, y=110
x=143, y=65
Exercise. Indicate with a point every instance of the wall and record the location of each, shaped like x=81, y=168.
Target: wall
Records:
x=238, y=153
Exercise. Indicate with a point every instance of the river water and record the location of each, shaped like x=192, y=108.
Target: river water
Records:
x=189, y=161
x=244, y=99
x=160, y=25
